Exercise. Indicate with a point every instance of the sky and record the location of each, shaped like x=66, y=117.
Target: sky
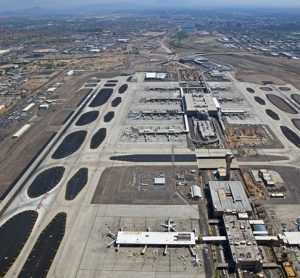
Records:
x=66, y=4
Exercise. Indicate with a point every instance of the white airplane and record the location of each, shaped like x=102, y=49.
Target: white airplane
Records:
x=196, y=261
x=169, y=225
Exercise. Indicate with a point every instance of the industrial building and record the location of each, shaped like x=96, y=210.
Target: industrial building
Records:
x=228, y=197
x=291, y=238
x=267, y=177
x=221, y=173
x=52, y=89
x=155, y=76
x=159, y=181
x=217, y=73
x=21, y=131
x=29, y=107
x=44, y=106
x=195, y=192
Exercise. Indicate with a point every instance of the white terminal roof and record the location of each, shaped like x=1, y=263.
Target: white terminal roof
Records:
x=161, y=75
x=159, y=180
x=195, y=191
x=257, y=222
x=156, y=238
x=214, y=238
x=233, y=111
x=293, y=238
x=216, y=102
x=156, y=75
x=150, y=75
x=266, y=238
x=229, y=195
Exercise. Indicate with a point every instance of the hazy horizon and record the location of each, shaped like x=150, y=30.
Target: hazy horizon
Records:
x=131, y=4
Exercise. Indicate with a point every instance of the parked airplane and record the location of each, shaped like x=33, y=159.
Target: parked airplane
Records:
x=169, y=225
x=196, y=261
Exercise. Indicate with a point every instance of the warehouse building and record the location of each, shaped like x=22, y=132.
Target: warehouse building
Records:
x=21, y=131
x=229, y=197
x=195, y=192
x=29, y=107
x=155, y=76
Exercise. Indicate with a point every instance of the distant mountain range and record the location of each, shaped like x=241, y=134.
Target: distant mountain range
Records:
x=89, y=8
x=93, y=8
x=130, y=5
x=35, y=11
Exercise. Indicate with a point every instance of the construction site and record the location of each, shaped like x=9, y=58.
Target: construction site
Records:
x=251, y=136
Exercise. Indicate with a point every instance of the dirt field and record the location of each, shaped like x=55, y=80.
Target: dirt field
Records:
x=135, y=185
x=251, y=91
x=296, y=98
x=296, y=123
x=244, y=156
x=291, y=135
x=272, y=114
x=33, y=84
x=16, y=154
x=285, y=89
x=267, y=89
x=255, y=190
x=244, y=136
x=105, y=62
x=60, y=117
x=281, y=104
x=257, y=69
x=78, y=97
